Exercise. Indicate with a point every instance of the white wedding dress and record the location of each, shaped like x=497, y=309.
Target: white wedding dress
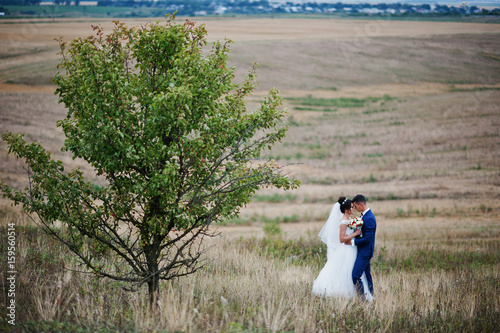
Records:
x=335, y=279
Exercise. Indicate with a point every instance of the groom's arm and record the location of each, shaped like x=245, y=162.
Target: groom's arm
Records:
x=369, y=235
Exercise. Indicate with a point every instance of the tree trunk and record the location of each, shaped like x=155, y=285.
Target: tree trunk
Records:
x=154, y=290
x=154, y=279
x=152, y=254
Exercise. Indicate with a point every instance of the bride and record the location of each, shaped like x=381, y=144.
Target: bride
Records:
x=335, y=279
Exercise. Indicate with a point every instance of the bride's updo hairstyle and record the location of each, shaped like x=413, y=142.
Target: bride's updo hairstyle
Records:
x=345, y=204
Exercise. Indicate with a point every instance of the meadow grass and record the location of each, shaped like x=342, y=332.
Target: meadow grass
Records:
x=299, y=108
x=274, y=198
x=263, y=284
x=483, y=88
x=249, y=220
x=341, y=102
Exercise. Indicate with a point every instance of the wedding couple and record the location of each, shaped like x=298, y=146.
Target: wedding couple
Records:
x=349, y=251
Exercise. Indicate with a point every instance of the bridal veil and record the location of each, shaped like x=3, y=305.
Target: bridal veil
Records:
x=330, y=232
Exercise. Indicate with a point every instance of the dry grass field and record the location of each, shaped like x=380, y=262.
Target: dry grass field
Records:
x=406, y=113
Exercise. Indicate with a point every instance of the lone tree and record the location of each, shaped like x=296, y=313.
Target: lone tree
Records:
x=170, y=140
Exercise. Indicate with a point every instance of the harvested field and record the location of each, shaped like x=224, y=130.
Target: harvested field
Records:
x=406, y=113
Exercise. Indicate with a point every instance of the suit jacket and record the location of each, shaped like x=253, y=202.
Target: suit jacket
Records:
x=366, y=244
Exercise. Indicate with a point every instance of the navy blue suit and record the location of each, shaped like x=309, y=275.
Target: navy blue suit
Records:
x=366, y=246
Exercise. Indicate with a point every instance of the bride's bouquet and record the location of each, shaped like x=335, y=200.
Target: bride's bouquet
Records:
x=355, y=223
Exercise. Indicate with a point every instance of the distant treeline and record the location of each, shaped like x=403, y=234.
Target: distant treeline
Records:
x=225, y=7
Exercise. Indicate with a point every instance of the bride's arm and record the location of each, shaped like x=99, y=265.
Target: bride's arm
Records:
x=343, y=237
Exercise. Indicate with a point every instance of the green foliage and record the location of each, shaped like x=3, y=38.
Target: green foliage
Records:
x=167, y=133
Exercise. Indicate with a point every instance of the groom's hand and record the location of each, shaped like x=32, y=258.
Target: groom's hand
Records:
x=348, y=242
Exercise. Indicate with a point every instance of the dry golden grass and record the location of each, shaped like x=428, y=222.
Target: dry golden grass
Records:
x=244, y=289
x=427, y=158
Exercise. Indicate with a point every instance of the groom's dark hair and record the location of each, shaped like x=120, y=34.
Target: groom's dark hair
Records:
x=359, y=199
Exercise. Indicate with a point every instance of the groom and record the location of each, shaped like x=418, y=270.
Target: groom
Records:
x=365, y=244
